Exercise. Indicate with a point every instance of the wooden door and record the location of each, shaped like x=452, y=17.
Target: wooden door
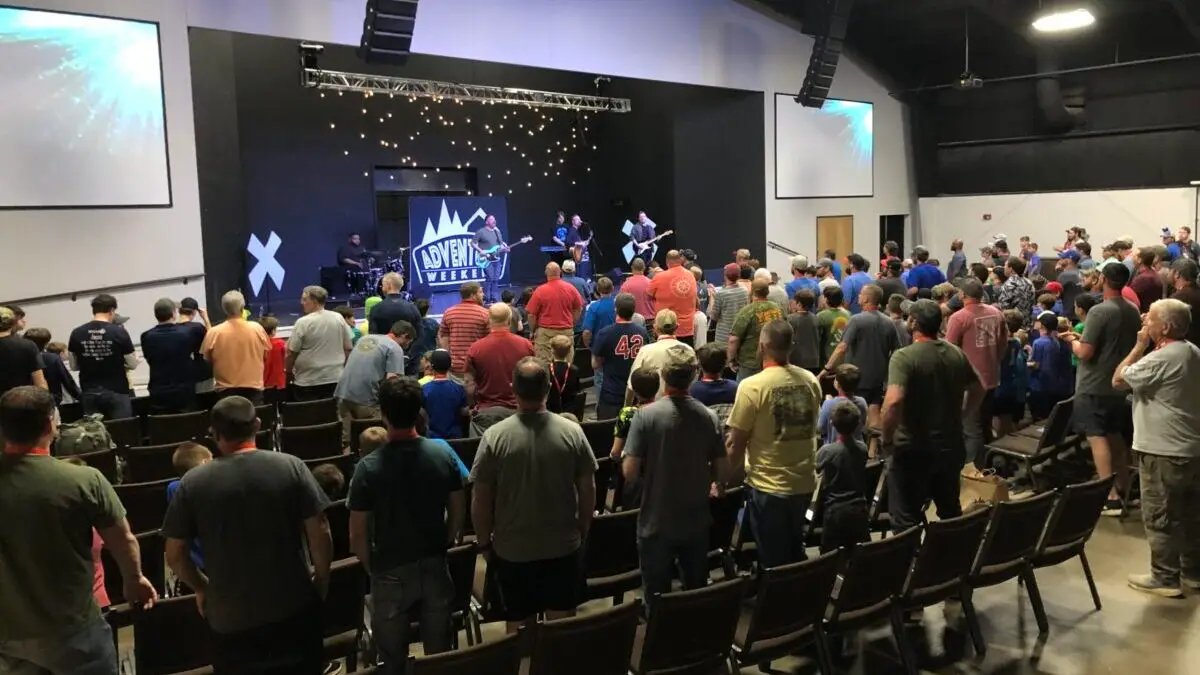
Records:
x=837, y=233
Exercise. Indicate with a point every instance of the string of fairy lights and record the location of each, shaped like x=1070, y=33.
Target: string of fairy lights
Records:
x=523, y=134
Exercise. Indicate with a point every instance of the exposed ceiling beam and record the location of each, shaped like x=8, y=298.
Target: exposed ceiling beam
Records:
x=1188, y=13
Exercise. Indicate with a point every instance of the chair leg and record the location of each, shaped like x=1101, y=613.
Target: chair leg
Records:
x=1035, y=600
x=972, y=619
x=1087, y=572
x=824, y=655
x=907, y=655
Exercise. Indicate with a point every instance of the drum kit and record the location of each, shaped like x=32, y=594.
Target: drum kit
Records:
x=368, y=280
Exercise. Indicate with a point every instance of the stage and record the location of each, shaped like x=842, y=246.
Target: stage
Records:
x=289, y=311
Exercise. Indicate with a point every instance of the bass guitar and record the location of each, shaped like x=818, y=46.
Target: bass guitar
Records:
x=490, y=255
x=641, y=246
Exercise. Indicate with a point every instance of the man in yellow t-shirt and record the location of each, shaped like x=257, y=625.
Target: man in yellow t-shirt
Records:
x=774, y=426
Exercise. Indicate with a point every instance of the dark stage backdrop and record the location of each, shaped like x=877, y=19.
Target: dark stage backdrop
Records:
x=275, y=157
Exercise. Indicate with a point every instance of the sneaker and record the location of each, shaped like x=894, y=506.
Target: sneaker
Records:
x=1112, y=507
x=1146, y=583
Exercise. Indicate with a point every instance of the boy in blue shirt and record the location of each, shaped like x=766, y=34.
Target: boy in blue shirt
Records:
x=1050, y=373
x=712, y=388
x=842, y=465
x=445, y=399
x=845, y=381
x=185, y=458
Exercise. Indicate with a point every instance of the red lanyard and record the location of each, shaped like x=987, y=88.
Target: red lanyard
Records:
x=560, y=386
x=11, y=449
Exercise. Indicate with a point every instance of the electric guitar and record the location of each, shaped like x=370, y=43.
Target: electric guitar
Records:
x=490, y=255
x=641, y=246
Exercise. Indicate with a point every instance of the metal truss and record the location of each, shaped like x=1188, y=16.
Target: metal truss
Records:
x=332, y=80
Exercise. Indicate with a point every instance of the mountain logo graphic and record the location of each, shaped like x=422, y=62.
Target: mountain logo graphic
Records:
x=445, y=257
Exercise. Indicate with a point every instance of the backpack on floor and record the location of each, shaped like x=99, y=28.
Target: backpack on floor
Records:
x=87, y=435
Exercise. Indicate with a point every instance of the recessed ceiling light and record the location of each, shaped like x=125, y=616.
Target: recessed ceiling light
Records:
x=1058, y=22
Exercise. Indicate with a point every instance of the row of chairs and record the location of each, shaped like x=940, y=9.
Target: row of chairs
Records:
x=804, y=604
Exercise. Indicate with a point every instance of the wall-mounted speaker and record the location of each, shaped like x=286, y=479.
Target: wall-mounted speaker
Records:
x=388, y=31
x=828, y=21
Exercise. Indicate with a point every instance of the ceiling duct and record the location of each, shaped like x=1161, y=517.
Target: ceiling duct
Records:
x=1057, y=116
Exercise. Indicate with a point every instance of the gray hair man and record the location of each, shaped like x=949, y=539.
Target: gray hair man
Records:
x=1161, y=371
x=775, y=293
x=237, y=350
x=318, y=347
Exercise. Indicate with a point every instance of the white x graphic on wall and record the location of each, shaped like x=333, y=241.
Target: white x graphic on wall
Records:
x=267, y=265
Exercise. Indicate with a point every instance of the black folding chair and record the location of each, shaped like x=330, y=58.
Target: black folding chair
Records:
x=500, y=657
x=605, y=467
x=171, y=637
x=1038, y=443
x=610, y=559
x=125, y=432
x=147, y=463
x=1074, y=518
x=177, y=428
x=691, y=631
x=342, y=611
x=268, y=416
x=154, y=567
x=724, y=510
x=356, y=429
x=600, y=436
x=104, y=461
x=593, y=644
x=465, y=448
x=338, y=515
x=308, y=413
x=312, y=442
x=344, y=463
x=145, y=504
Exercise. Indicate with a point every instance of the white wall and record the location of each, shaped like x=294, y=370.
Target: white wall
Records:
x=707, y=42
x=61, y=251
x=1107, y=215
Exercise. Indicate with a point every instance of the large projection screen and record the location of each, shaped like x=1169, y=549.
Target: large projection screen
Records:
x=82, y=124
x=824, y=152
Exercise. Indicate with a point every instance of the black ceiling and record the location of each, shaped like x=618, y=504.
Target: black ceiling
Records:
x=921, y=42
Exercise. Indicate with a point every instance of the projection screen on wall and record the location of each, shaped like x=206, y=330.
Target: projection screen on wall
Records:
x=82, y=121
x=823, y=152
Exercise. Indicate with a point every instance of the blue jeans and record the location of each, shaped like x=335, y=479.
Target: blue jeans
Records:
x=778, y=525
x=491, y=283
x=657, y=556
x=425, y=586
x=88, y=651
x=113, y=405
x=598, y=380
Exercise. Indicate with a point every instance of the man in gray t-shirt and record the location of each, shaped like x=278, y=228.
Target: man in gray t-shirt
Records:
x=317, y=348
x=868, y=343
x=374, y=358
x=676, y=448
x=486, y=238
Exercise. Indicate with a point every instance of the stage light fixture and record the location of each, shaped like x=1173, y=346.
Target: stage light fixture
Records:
x=1064, y=20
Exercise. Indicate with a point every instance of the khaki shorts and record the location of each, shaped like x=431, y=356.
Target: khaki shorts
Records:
x=542, y=338
x=349, y=411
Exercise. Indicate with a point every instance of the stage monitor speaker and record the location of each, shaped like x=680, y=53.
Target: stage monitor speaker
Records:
x=830, y=20
x=388, y=31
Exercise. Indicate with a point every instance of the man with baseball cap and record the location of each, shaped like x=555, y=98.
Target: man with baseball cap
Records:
x=654, y=355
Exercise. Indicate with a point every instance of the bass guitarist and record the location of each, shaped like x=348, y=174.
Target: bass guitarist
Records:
x=487, y=238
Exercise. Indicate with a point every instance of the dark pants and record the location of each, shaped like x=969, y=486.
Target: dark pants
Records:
x=254, y=395
x=491, y=283
x=689, y=340
x=657, y=556
x=314, y=393
x=173, y=401
x=844, y=526
x=917, y=476
x=423, y=586
x=89, y=650
x=111, y=404
x=1171, y=515
x=292, y=645
x=484, y=418
x=646, y=255
x=778, y=526
x=607, y=411
x=1042, y=402
x=977, y=428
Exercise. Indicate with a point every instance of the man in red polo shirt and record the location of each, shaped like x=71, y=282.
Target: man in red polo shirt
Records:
x=675, y=289
x=489, y=365
x=463, y=325
x=553, y=310
x=638, y=285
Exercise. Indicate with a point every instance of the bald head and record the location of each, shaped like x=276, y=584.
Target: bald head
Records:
x=531, y=383
x=553, y=271
x=500, y=314
x=674, y=258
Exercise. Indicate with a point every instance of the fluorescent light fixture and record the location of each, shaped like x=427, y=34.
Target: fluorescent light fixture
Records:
x=1196, y=183
x=1058, y=22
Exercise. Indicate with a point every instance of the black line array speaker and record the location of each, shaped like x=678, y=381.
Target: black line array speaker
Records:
x=827, y=22
x=388, y=31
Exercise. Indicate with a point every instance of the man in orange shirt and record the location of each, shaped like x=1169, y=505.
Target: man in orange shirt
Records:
x=553, y=310
x=463, y=325
x=675, y=289
x=237, y=350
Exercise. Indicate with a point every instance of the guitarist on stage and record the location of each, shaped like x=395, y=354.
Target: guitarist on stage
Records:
x=579, y=245
x=488, y=237
x=643, y=231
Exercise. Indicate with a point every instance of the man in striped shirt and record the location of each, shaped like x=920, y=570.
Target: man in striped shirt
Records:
x=463, y=325
x=723, y=305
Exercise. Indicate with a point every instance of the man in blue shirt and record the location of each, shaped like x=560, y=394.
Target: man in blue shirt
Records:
x=837, y=266
x=601, y=312
x=801, y=278
x=923, y=275
x=958, y=261
x=170, y=348
x=613, y=350
x=854, y=283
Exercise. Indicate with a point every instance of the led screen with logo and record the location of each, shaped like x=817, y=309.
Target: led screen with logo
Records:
x=440, y=234
x=824, y=152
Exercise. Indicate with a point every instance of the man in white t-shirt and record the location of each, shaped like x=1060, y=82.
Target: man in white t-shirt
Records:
x=317, y=349
x=654, y=355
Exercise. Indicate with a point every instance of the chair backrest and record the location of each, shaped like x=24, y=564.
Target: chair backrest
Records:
x=141, y=405
x=611, y=544
x=792, y=597
x=268, y=416
x=104, y=461
x=148, y=463
x=947, y=552
x=70, y=412
x=343, y=607
x=725, y=510
x=872, y=474
x=875, y=573
x=1057, y=425
x=154, y=566
x=356, y=429
x=338, y=515
x=593, y=644
x=605, y=467
x=177, y=428
x=306, y=413
x=312, y=442
x=170, y=637
x=462, y=560
x=145, y=504
x=465, y=448
x=1013, y=532
x=500, y=657
x=600, y=436
x=265, y=439
x=1075, y=514
x=125, y=432
x=692, y=631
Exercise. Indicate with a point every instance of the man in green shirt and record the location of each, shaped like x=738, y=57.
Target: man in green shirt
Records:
x=831, y=321
x=744, y=354
x=931, y=385
x=49, y=620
